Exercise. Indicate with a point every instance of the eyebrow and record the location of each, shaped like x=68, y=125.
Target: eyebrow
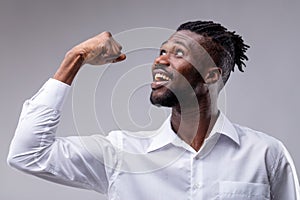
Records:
x=176, y=42
x=164, y=43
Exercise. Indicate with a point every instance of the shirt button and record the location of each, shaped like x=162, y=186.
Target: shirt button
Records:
x=196, y=186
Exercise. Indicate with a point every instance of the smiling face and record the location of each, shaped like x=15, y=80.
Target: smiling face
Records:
x=177, y=70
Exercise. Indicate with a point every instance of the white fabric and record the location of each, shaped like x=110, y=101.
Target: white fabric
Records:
x=234, y=162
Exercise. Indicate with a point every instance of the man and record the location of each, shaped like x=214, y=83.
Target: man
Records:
x=196, y=154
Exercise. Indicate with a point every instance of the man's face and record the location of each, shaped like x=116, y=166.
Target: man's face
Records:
x=177, y=70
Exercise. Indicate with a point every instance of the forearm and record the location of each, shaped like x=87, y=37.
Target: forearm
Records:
x=69, y=67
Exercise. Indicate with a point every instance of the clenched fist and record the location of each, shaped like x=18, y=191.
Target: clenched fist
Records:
x=100, y=49
x=97, y=50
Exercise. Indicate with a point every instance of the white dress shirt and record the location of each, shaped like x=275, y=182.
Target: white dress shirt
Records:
x=235, y=162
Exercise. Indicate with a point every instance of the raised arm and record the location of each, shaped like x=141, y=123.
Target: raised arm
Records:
x=85, y=162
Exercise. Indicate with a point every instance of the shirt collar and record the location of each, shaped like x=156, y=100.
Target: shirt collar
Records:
x=226, y=128
x=165, y=135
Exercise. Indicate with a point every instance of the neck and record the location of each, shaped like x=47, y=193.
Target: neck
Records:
x=193, y=123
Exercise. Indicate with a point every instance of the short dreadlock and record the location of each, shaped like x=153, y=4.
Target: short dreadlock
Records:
x=233, y=48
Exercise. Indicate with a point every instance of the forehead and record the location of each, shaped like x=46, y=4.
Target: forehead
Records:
x=193, y=43
x=187, y=38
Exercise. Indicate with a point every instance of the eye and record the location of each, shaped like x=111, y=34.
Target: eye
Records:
x=162, y=52
x=179, y=53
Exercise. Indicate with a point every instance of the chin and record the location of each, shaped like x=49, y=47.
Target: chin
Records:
x=168, y=99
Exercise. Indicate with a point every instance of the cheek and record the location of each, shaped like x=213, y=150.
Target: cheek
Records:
x=193, y=76
x=182, y=66
x=201, y=90
x=185, y=73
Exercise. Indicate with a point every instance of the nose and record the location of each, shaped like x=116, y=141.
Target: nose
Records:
x=162, y=59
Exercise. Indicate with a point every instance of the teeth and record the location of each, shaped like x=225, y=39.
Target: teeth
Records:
x=159, y=76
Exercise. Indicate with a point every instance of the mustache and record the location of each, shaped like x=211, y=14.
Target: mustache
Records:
x=160, y=66
x=164, y=68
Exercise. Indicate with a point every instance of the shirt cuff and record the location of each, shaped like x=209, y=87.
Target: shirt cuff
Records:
x=52, y=94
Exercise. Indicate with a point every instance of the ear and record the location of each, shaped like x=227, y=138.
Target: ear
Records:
x=213, y=75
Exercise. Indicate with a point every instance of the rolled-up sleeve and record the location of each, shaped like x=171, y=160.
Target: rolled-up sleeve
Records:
x=84, y=162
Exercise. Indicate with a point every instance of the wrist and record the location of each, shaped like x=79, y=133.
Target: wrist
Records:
x=69, y=67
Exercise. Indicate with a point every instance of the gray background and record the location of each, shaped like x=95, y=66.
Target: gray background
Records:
x=36, y=34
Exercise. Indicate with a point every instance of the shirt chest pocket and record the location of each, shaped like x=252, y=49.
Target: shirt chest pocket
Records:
x=229, y=190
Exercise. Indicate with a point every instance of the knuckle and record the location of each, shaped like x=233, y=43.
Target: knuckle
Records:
x=107, y=34
x=120, y=47
x=117, y=46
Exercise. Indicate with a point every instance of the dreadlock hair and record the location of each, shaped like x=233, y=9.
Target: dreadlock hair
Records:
x=232, y=51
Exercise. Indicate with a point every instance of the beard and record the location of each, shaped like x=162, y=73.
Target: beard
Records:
x=168, y=99
x=183, y=97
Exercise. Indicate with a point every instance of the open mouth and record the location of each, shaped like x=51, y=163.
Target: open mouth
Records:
x=160, y=78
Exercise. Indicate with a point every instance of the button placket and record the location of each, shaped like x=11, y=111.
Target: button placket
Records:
x=197, y=176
